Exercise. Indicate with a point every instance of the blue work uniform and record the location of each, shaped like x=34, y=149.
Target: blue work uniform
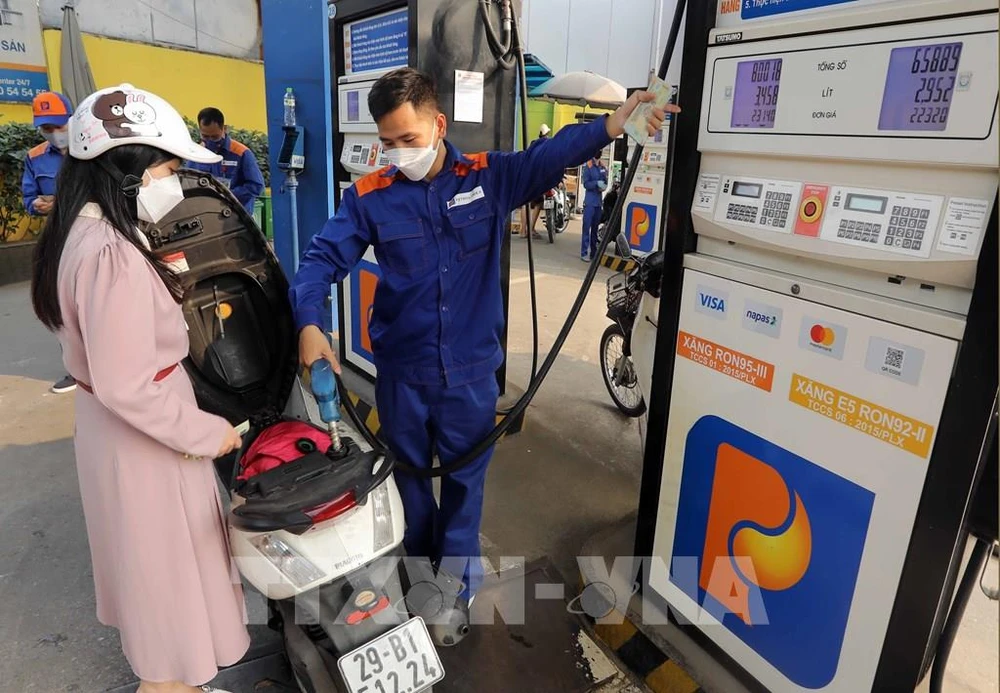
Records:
x=238, y=170
x=41, y=167
x=593, y=174
x=438, y=316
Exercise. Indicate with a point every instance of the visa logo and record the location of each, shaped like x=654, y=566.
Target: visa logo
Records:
x=711, y=301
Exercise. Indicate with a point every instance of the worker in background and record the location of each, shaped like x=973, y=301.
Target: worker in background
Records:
x=595, y=181
x=435, y=219
x=538, y=203
x=51, y=112
x=238, y=169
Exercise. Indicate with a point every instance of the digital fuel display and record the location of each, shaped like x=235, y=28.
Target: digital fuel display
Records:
x=755, y=96
x=918, y=87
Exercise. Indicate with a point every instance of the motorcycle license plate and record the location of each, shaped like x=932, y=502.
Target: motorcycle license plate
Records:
x=549, y=203
x=404, y=660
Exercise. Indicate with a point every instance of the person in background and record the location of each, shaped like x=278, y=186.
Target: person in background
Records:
x=435, y=219
x=595, y=181
x=238, y=168
x=538, y=202
x=51, y=112
x=162, y=571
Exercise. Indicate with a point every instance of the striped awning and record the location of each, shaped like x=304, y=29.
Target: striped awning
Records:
x=536, y=72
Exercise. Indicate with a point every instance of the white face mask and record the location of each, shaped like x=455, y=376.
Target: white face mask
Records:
x=59, y=140
x=414, y=162
x=158, y=197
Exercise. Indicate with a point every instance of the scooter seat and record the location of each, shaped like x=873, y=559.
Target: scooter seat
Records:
x=281, y=498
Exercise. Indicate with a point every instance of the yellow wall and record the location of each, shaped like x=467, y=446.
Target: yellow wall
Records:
x=188, y=80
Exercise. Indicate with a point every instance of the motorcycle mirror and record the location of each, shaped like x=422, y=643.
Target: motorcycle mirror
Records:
x=622, y=244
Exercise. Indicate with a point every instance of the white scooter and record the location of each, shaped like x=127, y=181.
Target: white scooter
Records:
x=320, y=535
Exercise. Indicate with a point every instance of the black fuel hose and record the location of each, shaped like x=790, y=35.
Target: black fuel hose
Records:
x=536, y=382
x=980, y=554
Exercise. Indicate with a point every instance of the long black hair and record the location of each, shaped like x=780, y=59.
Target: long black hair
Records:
x=101, y=180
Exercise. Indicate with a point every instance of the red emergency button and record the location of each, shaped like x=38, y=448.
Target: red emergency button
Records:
x=811, y=209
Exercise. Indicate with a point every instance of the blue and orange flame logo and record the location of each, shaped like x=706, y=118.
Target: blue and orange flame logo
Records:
x=364, y=280
x=641, y=226
x=779, y=540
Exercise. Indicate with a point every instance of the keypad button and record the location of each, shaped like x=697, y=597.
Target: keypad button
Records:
x=922, y=224
x=918, y=235
x=909, y=233
x=895, y=210
x=894, y=221
x=907, y=242
x=888, y=240
x=915, y=246
x=898, y=242
x=905, y=212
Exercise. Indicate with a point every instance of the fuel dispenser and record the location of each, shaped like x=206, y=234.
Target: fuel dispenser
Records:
x=825, y=367
x=642, y=219
x=445, y=38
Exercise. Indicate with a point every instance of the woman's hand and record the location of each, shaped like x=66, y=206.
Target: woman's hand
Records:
x=231, y=442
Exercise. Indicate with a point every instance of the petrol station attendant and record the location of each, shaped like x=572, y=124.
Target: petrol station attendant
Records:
x=595, y=182
x=435, y=219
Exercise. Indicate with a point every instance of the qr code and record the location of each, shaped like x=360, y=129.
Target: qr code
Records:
x=894, y=357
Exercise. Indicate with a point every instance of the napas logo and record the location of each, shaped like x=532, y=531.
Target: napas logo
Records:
x=779, y=542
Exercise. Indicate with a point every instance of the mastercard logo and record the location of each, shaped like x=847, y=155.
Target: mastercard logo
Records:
x=820, y=334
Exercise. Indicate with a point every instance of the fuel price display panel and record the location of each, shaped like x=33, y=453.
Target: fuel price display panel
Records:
x=867, y=84
x=919, y=85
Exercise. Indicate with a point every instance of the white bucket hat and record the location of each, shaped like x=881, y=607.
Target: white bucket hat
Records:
x=123, y=115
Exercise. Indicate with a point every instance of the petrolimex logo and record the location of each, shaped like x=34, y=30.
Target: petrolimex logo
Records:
x=711, y=302
x=778, y=545
x=641, y=226
x=823, y=337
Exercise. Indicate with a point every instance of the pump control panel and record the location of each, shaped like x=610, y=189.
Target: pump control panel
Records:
x=895, y=222
x=754, y=202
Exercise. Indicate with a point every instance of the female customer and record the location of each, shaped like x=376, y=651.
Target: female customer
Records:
x=144, y=450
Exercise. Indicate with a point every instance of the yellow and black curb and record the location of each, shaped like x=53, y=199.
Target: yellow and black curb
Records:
x=369, y=414
x=647, y=661
x=618, y=264
x=641, y=655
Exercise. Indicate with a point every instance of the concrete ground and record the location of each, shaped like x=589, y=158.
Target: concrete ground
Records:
x=573, y=473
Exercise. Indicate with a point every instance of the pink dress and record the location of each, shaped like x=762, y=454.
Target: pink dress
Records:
x=162, y=571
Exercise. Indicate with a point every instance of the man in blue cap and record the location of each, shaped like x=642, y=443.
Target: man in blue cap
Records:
x=51, y=112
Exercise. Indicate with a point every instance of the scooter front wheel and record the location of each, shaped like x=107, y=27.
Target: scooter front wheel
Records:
x=619, y=374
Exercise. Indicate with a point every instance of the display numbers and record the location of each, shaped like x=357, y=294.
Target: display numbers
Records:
x=766, y=71
x=935, y=89
x=940, y=58
x=762, y=115
x=767, y=95
x=923, y=115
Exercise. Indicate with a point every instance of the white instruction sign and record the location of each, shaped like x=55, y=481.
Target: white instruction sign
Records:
x=964, y=221
x=468, y=96
x=708, y=190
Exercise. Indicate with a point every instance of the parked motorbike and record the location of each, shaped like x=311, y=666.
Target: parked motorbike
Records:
x=316, y=524
x=556, y=211
x=624, y=292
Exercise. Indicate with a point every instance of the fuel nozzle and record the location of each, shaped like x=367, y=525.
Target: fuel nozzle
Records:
x=324, y=389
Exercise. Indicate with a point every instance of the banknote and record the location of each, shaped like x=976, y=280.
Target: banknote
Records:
x=635, y=126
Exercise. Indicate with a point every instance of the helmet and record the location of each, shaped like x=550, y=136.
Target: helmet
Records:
x=544, y=130
x=123, y=115
x=51, y=108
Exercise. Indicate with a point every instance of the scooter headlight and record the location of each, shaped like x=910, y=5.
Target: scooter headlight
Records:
x=382, y=509
x=298, y=569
